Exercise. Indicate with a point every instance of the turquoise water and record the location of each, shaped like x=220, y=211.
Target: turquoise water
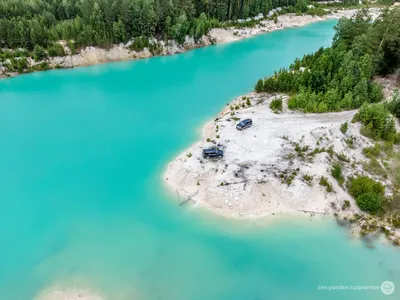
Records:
x=82, y=198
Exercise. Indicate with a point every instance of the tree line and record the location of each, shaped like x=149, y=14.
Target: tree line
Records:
x=26, y=24
x=340, y=77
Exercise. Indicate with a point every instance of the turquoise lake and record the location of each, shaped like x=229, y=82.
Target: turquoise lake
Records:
x=82, y=199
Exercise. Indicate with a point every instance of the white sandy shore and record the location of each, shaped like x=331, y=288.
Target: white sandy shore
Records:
x=252, y=178
x=221, y=35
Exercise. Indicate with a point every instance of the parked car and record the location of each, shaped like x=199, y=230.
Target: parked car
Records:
x=212, y=153
x=244, y=124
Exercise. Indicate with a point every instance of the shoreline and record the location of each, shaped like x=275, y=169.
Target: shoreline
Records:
x=118, y=53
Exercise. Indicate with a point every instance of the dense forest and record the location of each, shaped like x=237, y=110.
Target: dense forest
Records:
x=340, y=77
x=24, y=24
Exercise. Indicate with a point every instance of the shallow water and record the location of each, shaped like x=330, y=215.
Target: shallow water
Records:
x=82, y=198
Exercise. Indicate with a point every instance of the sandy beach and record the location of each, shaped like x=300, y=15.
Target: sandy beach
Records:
x=272, y=168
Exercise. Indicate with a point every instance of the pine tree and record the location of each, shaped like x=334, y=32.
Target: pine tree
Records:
x=259, y=86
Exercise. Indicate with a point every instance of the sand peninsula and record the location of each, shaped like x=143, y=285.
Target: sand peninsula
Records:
x=281, y=165
x=96, y=55
x=263, y=171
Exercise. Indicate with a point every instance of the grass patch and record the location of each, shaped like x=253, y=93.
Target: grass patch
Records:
x=342, y=157
x=287, y=176
x=324, y=182
x=346, y=205
x=372, y=152
x=387, y=147
x=307, y=179
x=350, y=142
x=276, y=105
x=336, y=173
x=344, y=127
x=377, y=121
x=375, y=168
x=368, y=193
x=301, y=150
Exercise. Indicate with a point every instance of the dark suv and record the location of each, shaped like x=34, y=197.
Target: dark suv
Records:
x=212, y=153
x=244, y=124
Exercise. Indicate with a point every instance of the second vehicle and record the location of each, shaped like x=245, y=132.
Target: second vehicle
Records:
x=246, y=123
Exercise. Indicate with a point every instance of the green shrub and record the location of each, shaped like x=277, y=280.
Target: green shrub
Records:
x=276, y=105
x=396, y=221
x=342, y=157
x=19, y=64
x=361, y=185
x=301, y=6
x=275, y=18
x=155, y=48
x=394, y=104
x=5, y=54
x=374, y=167
x=371, y=152
x=317, y=11
x=369, y=202
x=388, y=147
x=324, y=182
x=43, y=66
x=350, y=141
x=346, y=204
x=21, y=53
x=307, y=178
x=72, y=47
x=377, y=122
x=336, y=173
x=139, y=44
x=259, y=86
x=39, y=53
x=385, y=2
x=56, y=50
x=344, y=127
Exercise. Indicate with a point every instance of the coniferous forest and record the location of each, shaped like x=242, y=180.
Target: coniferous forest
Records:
x=25, y=24
x=340, y=77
